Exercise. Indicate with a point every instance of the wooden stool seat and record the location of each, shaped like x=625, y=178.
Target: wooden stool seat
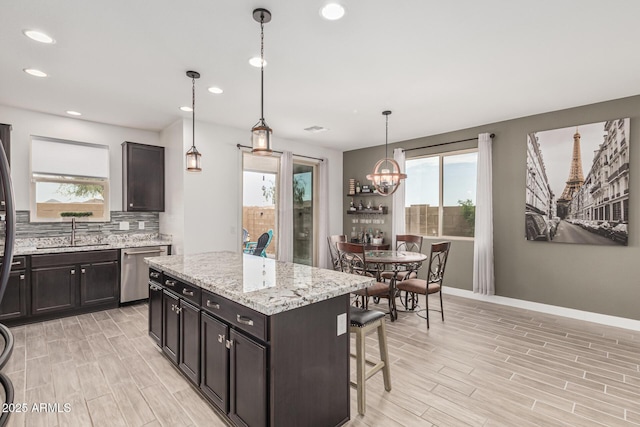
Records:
x=362, y=322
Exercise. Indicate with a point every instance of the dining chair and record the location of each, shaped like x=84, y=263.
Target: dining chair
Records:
x=333, y=249
x=433, y=283
x=353, y=260
x=405, y=242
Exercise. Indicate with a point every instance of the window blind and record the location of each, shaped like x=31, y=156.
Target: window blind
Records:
x=58, y=157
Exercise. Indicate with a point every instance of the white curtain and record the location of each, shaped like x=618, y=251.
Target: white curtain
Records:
x=323, y=210
x=397, y=201
x=285, y=208
x=483, y=278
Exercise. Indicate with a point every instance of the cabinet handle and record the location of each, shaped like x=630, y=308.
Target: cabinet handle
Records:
x=178, y=310
x=73, y=271
x=154, y=287
x=22, y=277
x=83, y=271
x=229, y=343
x=173, y=307
x=187, y=293
x=154, y=274
x=171, y=283
x=220, y=338
x=131, y=205
x=16, y=263
x=244, y=320
x=211, y=304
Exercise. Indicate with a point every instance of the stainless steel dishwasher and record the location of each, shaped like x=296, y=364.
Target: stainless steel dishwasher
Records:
x=135, y=273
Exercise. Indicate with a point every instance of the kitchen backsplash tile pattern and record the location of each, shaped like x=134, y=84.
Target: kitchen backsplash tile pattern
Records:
x=26, y=229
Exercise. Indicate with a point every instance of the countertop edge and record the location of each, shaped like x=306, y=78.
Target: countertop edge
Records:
x=261, y=308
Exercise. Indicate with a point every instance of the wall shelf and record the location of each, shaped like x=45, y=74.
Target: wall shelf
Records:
x=369, y=211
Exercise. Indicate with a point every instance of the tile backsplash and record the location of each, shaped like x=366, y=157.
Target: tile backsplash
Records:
x=26, y=229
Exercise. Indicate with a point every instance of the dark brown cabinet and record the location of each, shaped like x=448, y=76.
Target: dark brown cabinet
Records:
x=155, y=313
x=74, y=281
x=190, y=341
x=214, y=376
x=53, y=289
x=170, y=326
x=99, y=283
x=143, y=177
x=247, y=381
x=15, y=301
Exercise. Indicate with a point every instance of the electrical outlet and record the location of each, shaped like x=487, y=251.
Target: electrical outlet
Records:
x=124, y=225
x=342, y=324
x=140, y=225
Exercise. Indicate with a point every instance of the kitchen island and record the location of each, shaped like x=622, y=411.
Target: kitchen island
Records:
x=266, y=342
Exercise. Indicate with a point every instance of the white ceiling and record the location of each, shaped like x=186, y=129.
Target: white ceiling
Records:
x=439, y=65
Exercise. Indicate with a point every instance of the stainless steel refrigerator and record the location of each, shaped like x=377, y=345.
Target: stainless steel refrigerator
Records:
x=9, y=215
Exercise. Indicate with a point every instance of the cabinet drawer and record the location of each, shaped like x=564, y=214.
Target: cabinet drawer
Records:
x=18, y=263
x=155, y=276
x=242, y=317
x=80, y=257
x=184, y=290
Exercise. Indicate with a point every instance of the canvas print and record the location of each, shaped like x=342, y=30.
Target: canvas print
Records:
x=578, y=184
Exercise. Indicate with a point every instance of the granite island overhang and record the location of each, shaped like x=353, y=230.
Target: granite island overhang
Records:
x=267, y=342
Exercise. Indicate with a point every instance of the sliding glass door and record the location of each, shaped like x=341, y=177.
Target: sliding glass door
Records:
x=304, y=229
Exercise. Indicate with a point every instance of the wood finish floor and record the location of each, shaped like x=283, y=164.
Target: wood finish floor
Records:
x=486, y=365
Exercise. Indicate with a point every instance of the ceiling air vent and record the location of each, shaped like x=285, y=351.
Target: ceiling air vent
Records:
x=316, y=129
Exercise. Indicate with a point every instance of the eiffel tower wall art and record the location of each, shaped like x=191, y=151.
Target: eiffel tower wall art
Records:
x=577, y=186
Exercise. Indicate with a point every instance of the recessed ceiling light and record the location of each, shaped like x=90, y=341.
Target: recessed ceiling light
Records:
x=187, y=109
x=332, y=11
x=34, y=72
x=38, y=36
x=255, y=61
x=73, y=113
x=216, y=90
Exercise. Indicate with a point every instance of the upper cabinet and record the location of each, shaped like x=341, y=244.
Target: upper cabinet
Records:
x=143, y=177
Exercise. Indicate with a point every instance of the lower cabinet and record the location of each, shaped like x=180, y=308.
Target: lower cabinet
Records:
x=170, y=326
x=247, y=381
x=155, y=313
x=53, y=289
x=214, y=374
x=190, y=341
x=99, y=283
x=67, y=281
x=14, y=302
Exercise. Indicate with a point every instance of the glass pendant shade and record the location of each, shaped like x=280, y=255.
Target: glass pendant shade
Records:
x=261, y=140
x=193, y=160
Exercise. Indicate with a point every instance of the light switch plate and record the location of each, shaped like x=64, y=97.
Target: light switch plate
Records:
x=140, y=225
x=124, y=225
x=342, y=324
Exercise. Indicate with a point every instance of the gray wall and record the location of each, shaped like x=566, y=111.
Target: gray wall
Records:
x=584, y=277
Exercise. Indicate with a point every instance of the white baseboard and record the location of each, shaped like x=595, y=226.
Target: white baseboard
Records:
x=603, y=319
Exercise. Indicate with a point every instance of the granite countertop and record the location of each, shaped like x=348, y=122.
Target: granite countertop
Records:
x=263, y=284
x=62, y=244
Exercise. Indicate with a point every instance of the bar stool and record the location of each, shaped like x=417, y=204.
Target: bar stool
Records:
x=363, y=322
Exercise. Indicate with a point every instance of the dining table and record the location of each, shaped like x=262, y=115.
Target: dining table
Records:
x=395, y=261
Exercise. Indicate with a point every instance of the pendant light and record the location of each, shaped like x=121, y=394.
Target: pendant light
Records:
x=193, y=155
x=261, y=132
x=386, y=176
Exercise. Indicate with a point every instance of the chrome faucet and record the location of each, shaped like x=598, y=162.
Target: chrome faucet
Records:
x=73, y=231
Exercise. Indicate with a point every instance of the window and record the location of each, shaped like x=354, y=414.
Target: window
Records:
x=69, y=179
x=440, y=195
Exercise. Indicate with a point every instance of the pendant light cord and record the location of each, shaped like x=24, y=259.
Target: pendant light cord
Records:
x=193, y=111
x=262, y=68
